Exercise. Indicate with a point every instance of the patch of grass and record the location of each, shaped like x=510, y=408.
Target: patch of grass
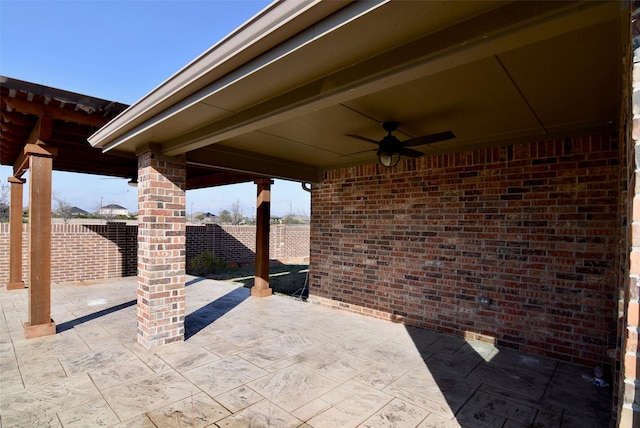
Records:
x=286, y=279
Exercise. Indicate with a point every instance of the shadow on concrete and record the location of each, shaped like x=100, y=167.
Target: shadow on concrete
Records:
x=206, y=315
x=479, y=385
x=195, y=280
x=90, y=317
x=290, y=279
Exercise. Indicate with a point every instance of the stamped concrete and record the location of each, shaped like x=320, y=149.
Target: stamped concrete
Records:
x=269, y=362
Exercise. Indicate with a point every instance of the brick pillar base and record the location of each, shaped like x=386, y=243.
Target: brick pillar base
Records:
x=161, y=248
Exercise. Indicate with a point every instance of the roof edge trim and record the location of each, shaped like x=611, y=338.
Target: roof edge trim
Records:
x=260, y=28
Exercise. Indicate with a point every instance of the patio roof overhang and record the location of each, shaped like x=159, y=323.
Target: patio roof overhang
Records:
x=63, y=120
x=278, y=96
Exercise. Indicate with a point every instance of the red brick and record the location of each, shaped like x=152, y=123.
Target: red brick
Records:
x=506, y=223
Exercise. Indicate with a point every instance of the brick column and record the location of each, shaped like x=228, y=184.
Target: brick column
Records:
x=161, y=248
x=263, y=214
x=629, y=412
x=15, y=234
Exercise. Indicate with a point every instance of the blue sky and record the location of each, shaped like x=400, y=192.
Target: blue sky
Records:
x=120, y=50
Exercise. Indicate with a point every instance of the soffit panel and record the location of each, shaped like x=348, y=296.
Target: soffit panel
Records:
x=379, y=30
x=475, y=99
x=274, y=145
x=195, y=117
x=471, y=100
x=316, y=138
x=571, y=81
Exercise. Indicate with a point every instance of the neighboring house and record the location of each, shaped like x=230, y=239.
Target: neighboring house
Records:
x=275, y=220
x=76, y=212
x=113, y=210
x=204, y=217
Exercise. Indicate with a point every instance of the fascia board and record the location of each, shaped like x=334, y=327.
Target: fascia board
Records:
x=262, y=29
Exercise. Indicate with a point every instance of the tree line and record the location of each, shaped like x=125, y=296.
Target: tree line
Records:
x=234, y=215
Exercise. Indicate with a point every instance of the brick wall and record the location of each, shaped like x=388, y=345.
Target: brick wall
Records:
x=289, y=242
x=80, y=252
x=199, y=239
x=89, y=252
x=533, y=227
x=237, y=244
x=85, y=252
x=628, y=387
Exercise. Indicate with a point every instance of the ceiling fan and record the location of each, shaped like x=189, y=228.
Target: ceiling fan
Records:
x=390, y=148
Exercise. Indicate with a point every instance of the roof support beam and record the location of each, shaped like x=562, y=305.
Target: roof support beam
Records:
x=41, y=131
x=8, y=127
x=227, y=159
x=217, y=179
x=16, y=118
x=75, y=116
x=39, y=149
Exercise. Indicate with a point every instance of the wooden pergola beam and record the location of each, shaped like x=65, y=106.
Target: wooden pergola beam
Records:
x=57, y=113
x=8, y=127
x=22, y=163
x=42, y=130
x=16, y=118
x=12, y=138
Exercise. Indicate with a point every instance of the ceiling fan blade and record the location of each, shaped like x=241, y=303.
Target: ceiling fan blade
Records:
x=360, y=137
x=357, y=153
x=428, y=139
x=410, y=153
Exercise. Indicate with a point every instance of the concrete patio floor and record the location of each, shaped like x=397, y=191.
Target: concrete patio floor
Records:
x=270, y=362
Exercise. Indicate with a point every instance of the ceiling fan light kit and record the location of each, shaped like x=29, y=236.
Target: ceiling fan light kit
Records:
x=390, y=149
x=388, y=158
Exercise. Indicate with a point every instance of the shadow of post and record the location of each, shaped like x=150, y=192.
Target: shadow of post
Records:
x=90, y=317
x=206, y=315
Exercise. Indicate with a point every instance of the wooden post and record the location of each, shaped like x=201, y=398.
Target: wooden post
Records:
x=263, y=215
x=15, y=235
x=40, y=322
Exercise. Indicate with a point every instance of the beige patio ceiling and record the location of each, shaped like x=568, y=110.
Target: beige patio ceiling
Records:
x=277, y=97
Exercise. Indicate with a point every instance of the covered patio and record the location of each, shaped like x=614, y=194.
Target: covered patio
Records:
x=501, y=206
x=277, y=362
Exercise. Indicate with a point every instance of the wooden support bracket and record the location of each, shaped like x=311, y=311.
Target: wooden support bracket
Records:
x=39, y=149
